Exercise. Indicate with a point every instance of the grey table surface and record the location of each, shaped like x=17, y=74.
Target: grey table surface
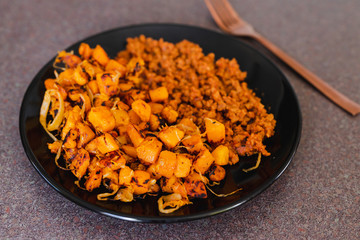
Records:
x=318, y=196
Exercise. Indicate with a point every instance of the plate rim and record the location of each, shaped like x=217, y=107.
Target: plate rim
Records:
x=158, y=219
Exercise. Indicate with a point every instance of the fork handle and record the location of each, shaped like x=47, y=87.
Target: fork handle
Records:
x=335, y=96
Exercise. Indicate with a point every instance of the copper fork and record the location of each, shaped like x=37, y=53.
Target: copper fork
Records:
x=229, y=21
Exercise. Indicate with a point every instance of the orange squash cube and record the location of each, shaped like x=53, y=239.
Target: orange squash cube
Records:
x=140, y=182
x=142, y=109
x=166, y=164
x=148, y=151
x=183, y=166
x=101, y=118
x=194, y=186
x=215, y=131
x=203, y=161
x=171, y=136
x=159, y=94
x=221, y=155
x=193, y=143
x=134, y=134
x=100, y=55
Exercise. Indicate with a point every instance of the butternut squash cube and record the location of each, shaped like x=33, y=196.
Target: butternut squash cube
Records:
x=106, y=143
x=130, y=150
x=194, y=186
x=135, y=136
x=148, y=151
x=121, y=117
x=154, y=122
x=221, y=155
x=166, y=164
x=159, y=94
x=215, y=131
x=142, y=109
x=156, y=108
x=203, y=161
x=93, y=86
x=171, y=136
x=85, y=134
x=101, y=118
x=80, y=163
x=100, y=55
x=115, y=66
x=94, y=179
x=193, y=143
x=108, y=83
x=169, y=115
x=183, y=166
x=140, y=182
x=125, y=176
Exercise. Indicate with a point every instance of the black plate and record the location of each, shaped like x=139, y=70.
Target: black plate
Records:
x=263, y=76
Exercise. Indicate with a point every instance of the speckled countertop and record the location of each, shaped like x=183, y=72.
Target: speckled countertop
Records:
x=318, y=196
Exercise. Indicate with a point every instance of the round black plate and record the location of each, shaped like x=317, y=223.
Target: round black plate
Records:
x=263, y=77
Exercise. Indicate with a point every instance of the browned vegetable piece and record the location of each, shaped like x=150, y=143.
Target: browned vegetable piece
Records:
x=215, y=131
x=85, y=51
x=80, y=97
x=154, y=122
x=80, y=163
x=115, y=66
x=69, y=59
x=55, y=146
x=103, y=144
x=135, y=66
x=203, y=161
x=121, y=117
x=156, y=108
x=134, y=118
x=193, y=143
x=188, y=126
x=71, y=120
x=101, y=118
x=195, y=186
x=148, y=151
x=51, y=84
x=92, y=69
x=113, y=162
x=140, y=182
x=112, y=176
x=108, y=83
x=93, y=86
x=94, y=179
x=80, y=77
x=130, y=150
x=85, y=134
x=125, y=176
x=142, y=109
x=221, y=155
x=70, y=139
x=170, y=136
x=173, y=185
x=135, y=136
x=183, y=166
x=100, y=55
x=169, y=115
x=166, y=164
x=217, y=173
x=66, y=78
x=159, y=94
x=152, y=170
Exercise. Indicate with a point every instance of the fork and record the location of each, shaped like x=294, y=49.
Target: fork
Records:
x=229, y=21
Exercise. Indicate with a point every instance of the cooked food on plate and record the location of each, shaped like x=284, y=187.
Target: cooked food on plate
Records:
x=157, y=119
